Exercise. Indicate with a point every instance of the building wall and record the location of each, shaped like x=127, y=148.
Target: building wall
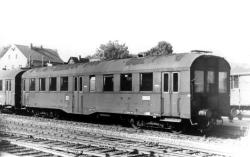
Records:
x=13, y=59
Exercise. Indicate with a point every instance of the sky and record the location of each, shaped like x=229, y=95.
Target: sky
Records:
x=78, y=27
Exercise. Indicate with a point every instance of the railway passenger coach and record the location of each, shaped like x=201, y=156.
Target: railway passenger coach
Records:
x=191, y=87
x=10, y=88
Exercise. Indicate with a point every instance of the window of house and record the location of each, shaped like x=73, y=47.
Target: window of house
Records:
x=42, y=84
x=222, y=82
x=210, y=82
x=23, y=84
x=199, y=81
x=1, y=85
x=92, y=83
x=80, y=84
x=235, y=81
x=175, y=82
x=108, y=83
x=75, y=82
x=146, y=81
x=126, y=82
x=16, y=56
x=32, y=84
x=64, y=83
x=166, y=82
x=52, y=84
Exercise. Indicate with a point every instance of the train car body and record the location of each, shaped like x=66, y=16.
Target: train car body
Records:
x=10, y=88
x=240, y=91
x=171, y=88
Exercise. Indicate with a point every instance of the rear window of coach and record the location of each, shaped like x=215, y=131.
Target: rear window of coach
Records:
x=1, y=85
x=32, y=84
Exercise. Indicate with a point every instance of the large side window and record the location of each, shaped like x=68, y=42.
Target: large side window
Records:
x=32, y=84
x=1, y=85
x=126, y=82
x=92, y=83
x=64, y=83
x=166, y=82
x=175, y=82
x=52, y=83
x=108, y=83
x=199, y=81
x=222, y=82
x=210, y=82
x=42, y=84
x=146, y=81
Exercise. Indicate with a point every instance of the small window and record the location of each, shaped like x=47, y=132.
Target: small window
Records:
x=175, y=82
x=146, y=81
x=166, y=82
x=6, y=85
x=222, y=82
x=126, y=82
x=24, y=85
x=1, y=85
x=210, y=82
x=80, y=84
x=32, y=84
x=64, y=83
x=199, y=81
x=92, y=83
x=42, y=84
x=52, y=84
x=16, y=56
x=235, y=81
x=75, y=83
x=108, y=83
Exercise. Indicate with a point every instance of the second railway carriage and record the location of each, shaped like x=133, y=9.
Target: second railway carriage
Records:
x=168, y=88
x=10, y=88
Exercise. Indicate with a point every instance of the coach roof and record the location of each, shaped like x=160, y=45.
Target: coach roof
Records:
x=9, y=74
x=180, y=61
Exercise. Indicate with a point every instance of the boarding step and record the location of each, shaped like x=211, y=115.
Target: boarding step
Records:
x=175, y=120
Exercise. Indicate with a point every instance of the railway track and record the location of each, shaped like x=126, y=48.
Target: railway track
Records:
x=77, y=139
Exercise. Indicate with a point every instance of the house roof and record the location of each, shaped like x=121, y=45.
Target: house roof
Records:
x=38, y=53
x=4, y=50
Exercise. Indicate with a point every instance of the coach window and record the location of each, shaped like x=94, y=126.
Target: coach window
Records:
x=108, y=83
x=222, y=82
x=42, y=84
x=64, y=83
x=175, y=82
x=210, y=82
x=234, y=81
x=75, y=82
x=80, y=84
x=126, y=82
x=166, y=82
x=1, y=85
x=146, y=81
x=199, y=81
x=23, y=84
x=32, y=84
x=52, y=84
x=92, y=83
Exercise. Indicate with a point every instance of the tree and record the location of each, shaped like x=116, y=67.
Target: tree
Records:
x=162, y=48
x=112, y=50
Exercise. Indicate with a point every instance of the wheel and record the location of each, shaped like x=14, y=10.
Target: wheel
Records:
x=240, y=116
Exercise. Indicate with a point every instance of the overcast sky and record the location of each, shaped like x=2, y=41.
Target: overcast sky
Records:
x=78, y=27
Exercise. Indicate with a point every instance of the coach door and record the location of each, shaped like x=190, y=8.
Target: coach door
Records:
x=78, y=95
x=170, y=94
x=8, y=92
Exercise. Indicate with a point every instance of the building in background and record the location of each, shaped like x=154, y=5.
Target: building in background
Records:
x=21, y=56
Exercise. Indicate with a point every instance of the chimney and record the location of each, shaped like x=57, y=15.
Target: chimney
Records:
x=80, y=57
x=41, y=46
x=31, y=45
